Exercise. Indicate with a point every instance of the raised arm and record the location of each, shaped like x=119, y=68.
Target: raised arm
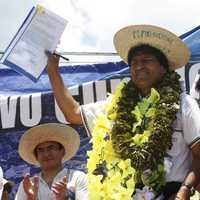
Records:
x=68, y=105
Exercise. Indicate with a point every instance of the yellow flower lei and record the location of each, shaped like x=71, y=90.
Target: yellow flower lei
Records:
x=110, y=176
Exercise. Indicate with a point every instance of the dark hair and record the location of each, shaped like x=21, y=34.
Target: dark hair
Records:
x=145, y=48
x=8, y=186
x=197, y=87
x=35, y=150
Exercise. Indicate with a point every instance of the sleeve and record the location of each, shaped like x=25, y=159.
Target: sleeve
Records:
x=190, y=120
x=81, y=192
x=89, y=113
x=193, y=92
x=20, y=195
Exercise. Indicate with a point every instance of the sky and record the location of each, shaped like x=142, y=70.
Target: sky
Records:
x=92, y=24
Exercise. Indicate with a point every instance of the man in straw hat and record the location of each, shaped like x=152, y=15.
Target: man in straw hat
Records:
x=146, y=139
x=5, y=187
x=48, y=146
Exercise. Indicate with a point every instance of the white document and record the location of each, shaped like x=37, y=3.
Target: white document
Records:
x=40, y=31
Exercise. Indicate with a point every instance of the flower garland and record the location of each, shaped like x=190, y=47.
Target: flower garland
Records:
x=130, y=141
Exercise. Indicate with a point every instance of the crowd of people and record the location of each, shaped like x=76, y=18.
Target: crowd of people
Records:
x=145, y=137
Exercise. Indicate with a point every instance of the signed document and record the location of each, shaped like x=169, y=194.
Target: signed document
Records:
x=40, y=31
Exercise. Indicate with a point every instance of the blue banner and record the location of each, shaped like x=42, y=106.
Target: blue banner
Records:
x=24, y=104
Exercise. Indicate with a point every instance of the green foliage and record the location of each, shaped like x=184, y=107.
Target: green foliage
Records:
x=134, y=117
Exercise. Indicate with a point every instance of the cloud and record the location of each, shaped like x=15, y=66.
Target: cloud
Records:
x=12, y=15
x=93, y=23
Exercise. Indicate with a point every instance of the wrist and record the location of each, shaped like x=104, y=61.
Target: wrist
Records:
x=188, y=187
x=66, y=195
x=32, y=198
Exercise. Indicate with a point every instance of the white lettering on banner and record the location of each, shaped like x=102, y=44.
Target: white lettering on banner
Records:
x=95, y=91
x=8, y=107
x=114, y=83
x=101, y=92
x=26, y=110
x=88, y=93
x=59, y=115
x=30, y=109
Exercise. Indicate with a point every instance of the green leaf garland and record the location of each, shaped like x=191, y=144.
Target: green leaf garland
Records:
x=152, y=116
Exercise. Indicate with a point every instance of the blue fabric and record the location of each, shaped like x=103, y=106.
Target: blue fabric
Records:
x=19, y=88
x=15, y=83
x=192, y=40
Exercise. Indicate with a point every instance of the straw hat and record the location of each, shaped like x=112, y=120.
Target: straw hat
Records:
x=172, y=46
x=60, y=133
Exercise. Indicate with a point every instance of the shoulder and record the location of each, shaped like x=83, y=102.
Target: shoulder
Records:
x=94, y=105
x=78, y=178
x=190, y=110
x=89, y=112
x=190, y=113
x=188, y=103
x=76, y=173
x=92, y=109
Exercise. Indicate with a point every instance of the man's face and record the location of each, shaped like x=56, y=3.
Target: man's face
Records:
x=49, y=155
x=146, y=71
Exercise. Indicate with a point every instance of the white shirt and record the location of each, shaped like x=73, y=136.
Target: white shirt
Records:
x=186, y=133
x=193, y=92
x=75, y=178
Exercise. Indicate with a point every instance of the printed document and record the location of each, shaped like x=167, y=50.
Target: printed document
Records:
x=40, y=31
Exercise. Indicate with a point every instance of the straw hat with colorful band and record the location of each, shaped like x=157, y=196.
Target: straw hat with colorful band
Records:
x=60, y=133
x=172, y=46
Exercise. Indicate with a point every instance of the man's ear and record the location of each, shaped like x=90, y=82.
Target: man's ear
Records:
x=35, y=153
x=63, y=152
x=163, y=69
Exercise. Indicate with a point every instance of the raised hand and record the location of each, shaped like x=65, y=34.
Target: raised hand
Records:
x=60, y=189
x=183, y=194
x=31, y=187
x=53, y=61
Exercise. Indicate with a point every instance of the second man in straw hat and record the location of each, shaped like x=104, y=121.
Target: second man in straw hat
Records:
x=48, y=146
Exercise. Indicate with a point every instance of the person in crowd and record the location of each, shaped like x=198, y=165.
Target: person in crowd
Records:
x=146, y=135
x=2, y=182
x=7, y=190
x=48, y=146
x=5, y=187
x=197, y=87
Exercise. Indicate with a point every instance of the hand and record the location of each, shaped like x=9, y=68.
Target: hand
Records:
x=183, y=194
x=53, y=61
x=31, y=186
x=60, y=188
